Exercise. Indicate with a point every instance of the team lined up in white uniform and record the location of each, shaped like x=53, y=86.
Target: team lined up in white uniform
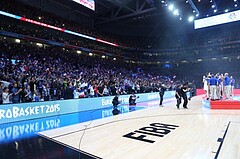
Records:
x=218, y=85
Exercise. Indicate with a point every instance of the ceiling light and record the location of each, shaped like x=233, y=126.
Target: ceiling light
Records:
x=176, y=12
x=197, y=15
x=171, y=7
x=235, y=5
x=213, y=6
x=226, y=10
x=215, y=10
x=191, y=18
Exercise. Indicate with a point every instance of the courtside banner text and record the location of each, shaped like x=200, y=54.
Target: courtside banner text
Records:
x=26, y=111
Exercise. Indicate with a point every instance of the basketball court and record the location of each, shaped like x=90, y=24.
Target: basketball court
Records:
x=156, y=132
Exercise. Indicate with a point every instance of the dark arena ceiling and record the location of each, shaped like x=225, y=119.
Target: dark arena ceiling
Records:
x=115, y=10
x=144, y=17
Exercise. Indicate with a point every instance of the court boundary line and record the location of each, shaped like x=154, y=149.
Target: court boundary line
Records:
x=222, y=139
x=76, y=131
x=68, y=146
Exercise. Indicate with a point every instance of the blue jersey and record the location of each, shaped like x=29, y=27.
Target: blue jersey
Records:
x=213, y=81
x=219, y=81
x=208, y=79
x=232, y=82
x=227, y=81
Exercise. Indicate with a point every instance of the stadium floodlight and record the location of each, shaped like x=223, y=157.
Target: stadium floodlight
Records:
x=176, y=12
x=171, y=7
x=191, y=18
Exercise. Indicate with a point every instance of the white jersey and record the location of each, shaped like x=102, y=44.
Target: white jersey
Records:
x=205, y=84
x=5, y=98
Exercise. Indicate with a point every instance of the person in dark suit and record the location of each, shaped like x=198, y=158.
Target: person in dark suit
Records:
x=115, y=101
x=132, y=99
x=161, y=90
x=178, y=95
x=184, y=91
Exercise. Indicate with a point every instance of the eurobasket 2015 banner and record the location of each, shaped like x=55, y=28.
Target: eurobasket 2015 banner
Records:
x=87, y=3
x=28, y=111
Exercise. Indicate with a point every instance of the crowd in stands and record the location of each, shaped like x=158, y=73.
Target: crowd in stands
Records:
x=51, y=19
x=20, y=27
x=30, y=73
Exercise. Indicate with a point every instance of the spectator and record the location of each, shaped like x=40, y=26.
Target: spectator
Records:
x=16, y=91
x=6, y=96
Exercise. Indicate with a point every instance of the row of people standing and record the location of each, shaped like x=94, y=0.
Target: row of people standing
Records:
x=216, y=86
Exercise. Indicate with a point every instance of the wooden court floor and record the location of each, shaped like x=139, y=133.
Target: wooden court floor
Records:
x=157, y=133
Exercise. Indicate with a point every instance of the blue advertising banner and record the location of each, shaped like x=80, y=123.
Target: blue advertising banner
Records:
x=26, y=111
x=25, y=129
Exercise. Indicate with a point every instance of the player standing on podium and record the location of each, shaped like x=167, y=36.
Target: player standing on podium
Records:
x=213, y=87
x=227, y=86
x=232, y=85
